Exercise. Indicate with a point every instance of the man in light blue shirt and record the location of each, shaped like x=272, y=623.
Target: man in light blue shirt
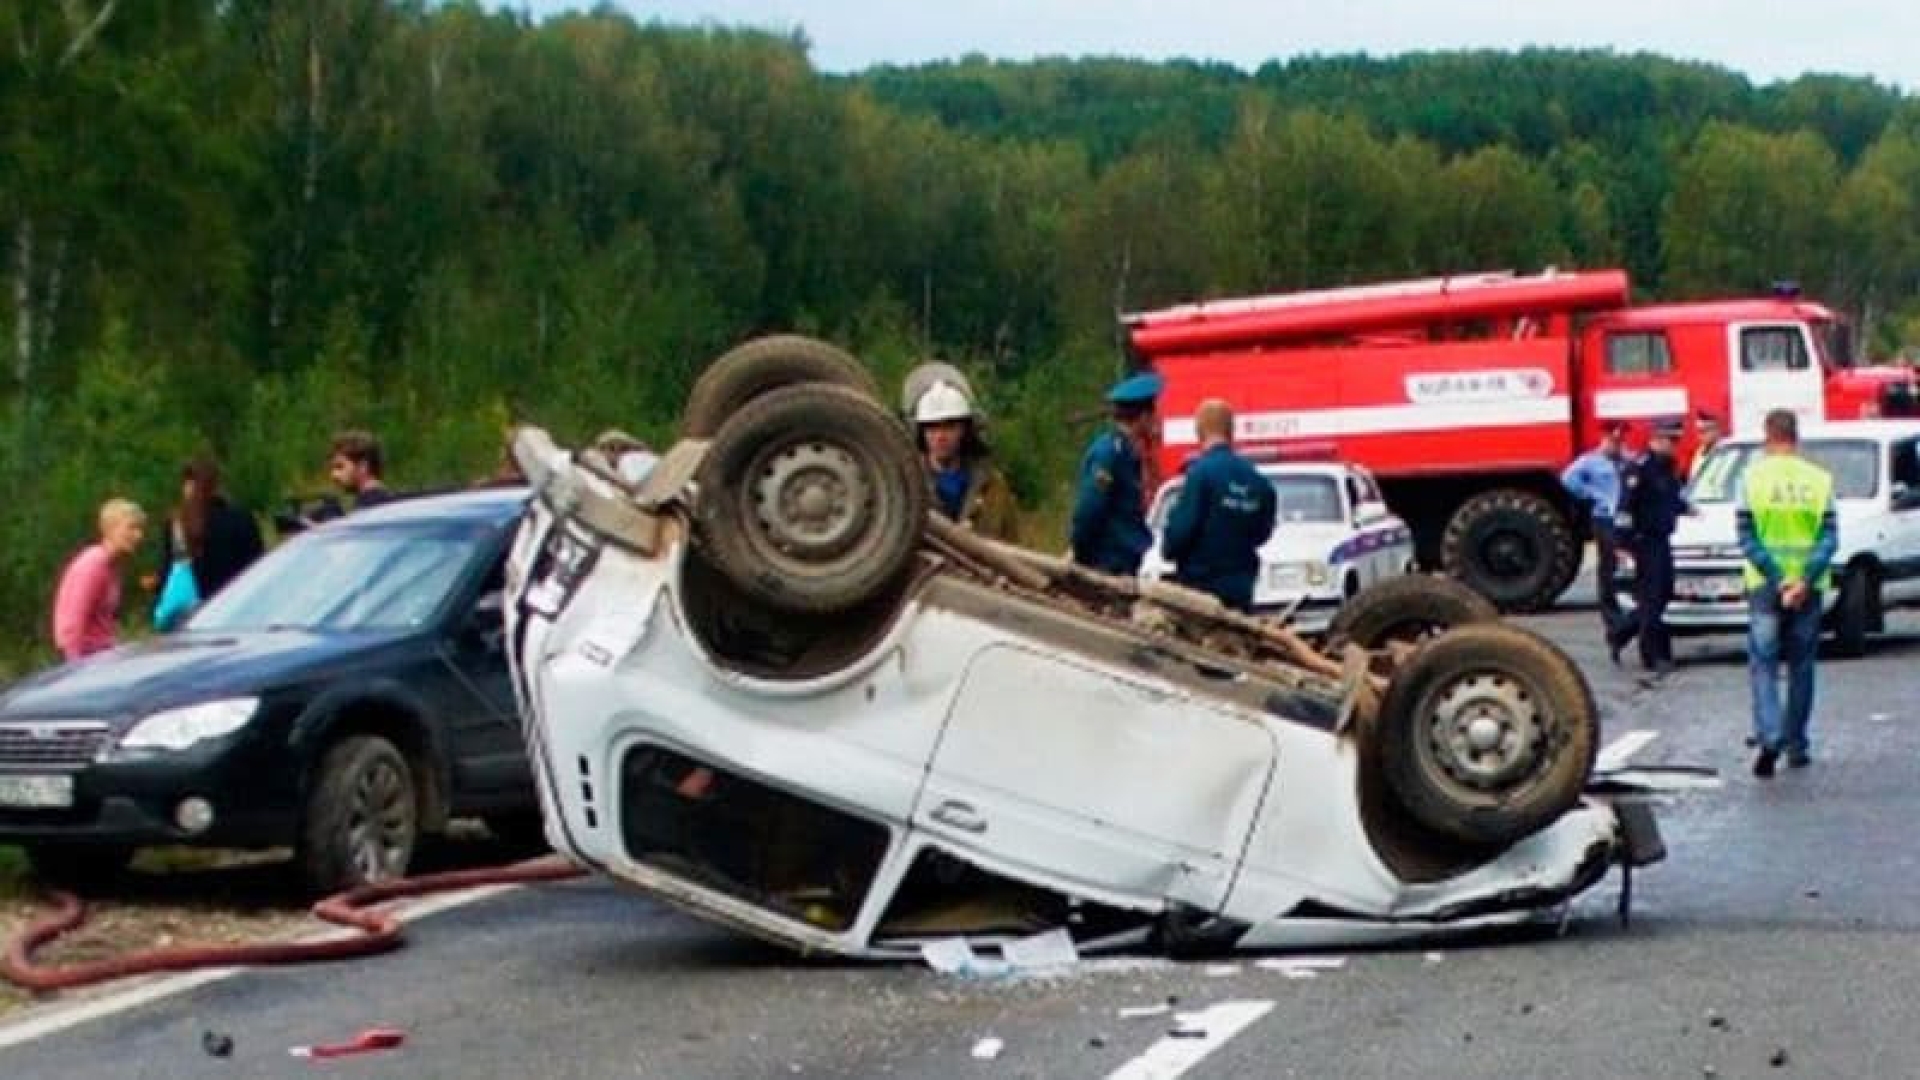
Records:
x=1594, y=480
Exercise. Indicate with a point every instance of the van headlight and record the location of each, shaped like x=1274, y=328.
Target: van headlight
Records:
x=178, y=729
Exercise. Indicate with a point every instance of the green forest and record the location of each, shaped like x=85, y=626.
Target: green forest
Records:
x=236, y=225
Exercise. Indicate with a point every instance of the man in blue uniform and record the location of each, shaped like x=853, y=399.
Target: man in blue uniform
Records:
x=1110, y=531
x=1224, y=515
x=1653, y=503
x=1594, y=481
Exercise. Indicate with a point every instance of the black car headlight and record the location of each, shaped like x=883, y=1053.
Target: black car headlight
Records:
x=178, y=729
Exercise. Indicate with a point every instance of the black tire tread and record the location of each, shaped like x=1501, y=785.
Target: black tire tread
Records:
x=1555, y=533
x=753, y=368
x=729, y=540
x=323, y=859
x=1369, y=618
x=1554, y=680
x=1853, y=612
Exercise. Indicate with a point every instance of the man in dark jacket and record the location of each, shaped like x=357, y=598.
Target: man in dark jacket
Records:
x=1224, y=515
x=1653, y=504
x=1110, y=530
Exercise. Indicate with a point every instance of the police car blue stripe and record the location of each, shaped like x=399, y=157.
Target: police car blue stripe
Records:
x=1372, y=540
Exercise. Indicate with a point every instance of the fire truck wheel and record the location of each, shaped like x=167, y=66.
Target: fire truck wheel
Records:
x=745, y=372
x=1512, y=547
x=811, y=499
x=1408, y=608
x=1487, y=734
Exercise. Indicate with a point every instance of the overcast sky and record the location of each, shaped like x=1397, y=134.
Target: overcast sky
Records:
x=1765, y=39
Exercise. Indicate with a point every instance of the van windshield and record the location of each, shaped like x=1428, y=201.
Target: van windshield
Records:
x=1854, y=463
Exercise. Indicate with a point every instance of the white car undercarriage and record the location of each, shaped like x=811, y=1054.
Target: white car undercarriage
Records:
x=766, y=686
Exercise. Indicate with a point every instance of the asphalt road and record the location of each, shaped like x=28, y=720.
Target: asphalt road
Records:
x=1781, y=929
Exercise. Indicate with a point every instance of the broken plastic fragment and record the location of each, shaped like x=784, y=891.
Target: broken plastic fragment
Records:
x=955, y=956
x=1221, y=971
x=1135, y=1012
x=1052, y=949
x=988, y=1048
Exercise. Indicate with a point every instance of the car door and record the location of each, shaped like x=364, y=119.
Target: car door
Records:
x=1773, y=366
x=1121, y=788
x=1902, y=555
x=489, y=756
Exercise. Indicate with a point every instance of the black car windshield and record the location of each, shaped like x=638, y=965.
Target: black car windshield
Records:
x=1854, y=463
x=347, y=578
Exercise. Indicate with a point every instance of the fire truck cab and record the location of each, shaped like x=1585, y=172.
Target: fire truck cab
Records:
x=1466, y=396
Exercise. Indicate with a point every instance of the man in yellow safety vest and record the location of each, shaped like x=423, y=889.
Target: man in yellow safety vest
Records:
x=1788, y=534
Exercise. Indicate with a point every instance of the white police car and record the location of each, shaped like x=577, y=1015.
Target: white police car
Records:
x=1332, y=537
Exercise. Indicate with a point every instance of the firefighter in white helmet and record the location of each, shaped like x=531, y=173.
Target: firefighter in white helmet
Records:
x=968, y=488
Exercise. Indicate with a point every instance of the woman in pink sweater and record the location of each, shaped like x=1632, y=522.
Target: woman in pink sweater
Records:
x=86, y=609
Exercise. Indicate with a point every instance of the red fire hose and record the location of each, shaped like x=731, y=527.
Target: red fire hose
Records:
x=380, y=931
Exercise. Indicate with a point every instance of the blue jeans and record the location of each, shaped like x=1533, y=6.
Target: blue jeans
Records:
x=1775, y=634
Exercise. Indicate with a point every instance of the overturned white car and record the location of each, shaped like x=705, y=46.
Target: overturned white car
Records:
x=766, y=686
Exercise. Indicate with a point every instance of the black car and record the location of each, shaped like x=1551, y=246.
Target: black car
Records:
x=344, y=696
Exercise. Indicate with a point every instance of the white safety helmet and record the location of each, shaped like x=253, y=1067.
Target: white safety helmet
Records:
x=942, y=402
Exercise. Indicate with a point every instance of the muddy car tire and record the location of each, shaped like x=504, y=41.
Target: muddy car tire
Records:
x=1487, y=734
x=1512, y=547
x=747, y=371
x=1407, y=608
x=363, y=816
x=812, y=500
x=78, y=866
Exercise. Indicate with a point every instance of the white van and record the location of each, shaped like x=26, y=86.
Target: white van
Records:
x=1876, y=476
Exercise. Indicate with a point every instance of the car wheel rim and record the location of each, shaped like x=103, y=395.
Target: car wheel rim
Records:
x=380, y=829
x=1485, y=731
x=810, y=500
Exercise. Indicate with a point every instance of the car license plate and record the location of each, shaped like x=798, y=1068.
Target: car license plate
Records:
x=1708, y=588
x=36, y=792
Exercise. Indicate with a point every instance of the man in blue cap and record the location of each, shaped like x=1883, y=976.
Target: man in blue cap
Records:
x=1110, y=531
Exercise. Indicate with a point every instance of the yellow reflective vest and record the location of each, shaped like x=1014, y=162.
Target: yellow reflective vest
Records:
x=1787, y=496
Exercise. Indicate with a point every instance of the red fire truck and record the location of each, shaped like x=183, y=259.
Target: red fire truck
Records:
x=1466, y=396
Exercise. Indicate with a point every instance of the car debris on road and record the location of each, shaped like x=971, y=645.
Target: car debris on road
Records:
x=768, y=687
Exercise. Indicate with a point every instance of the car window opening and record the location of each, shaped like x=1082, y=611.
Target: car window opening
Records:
x=943, y=893
x=747, y=840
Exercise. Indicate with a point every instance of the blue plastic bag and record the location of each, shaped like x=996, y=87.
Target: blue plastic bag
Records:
x=179, y=595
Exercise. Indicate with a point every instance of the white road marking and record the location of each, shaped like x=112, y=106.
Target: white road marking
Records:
x=40, y=1023
x=1617, y=753
x=1211, y=1028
